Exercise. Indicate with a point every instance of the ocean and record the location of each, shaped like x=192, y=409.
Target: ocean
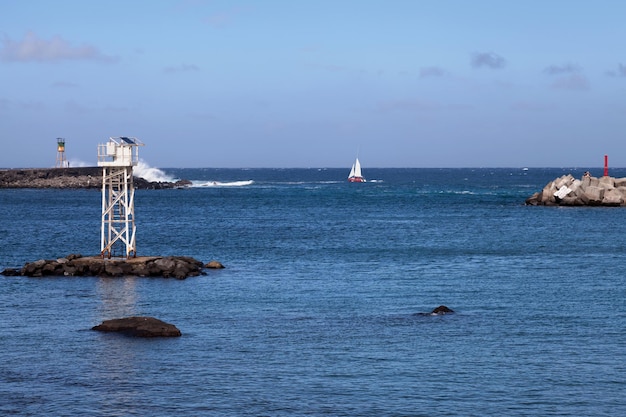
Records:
x=317, y=310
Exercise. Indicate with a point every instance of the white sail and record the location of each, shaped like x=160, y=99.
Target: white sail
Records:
x=357, y=168
x=355, y=172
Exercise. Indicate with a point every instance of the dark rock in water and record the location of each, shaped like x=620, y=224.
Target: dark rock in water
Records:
x=179, y=267
x=438, y=311
x=141, y=183
x=442, y=310
x=139, y=327
x=214, y=265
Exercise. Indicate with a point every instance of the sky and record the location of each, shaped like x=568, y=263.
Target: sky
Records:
x=315, y=83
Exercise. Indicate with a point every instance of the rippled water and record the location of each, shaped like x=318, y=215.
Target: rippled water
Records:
x=315, y=313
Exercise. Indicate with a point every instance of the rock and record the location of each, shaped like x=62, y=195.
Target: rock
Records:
x=562, y=192
x=534, y=200
x=141, y=183
x=438, y=311
x=564, y=181
x=179, y=267
x=167, y=265
x=183, y=184
x=612, y=197
x=588, y=191
x=214, y=265
x=594, y=194
x=607, y=182
x=441, y=310
x=572, y=201
x=34, y=269
x=547, y=194
x=139, y=327
x=113, y=269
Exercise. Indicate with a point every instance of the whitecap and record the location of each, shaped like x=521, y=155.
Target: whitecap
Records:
x=222, y=184
x=145, y=171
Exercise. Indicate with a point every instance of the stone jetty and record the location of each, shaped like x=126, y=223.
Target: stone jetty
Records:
x=80, y=177
x=179, y=267
x=587, y=191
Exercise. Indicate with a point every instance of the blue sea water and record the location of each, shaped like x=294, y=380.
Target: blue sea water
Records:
x=315, y=313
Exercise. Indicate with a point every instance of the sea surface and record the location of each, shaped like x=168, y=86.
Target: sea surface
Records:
x=317, y=310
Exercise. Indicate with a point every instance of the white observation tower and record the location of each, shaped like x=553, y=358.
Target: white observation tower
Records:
x=117, y=158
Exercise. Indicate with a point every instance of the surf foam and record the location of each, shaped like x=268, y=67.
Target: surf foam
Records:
x=145, y=171
x=222, y=184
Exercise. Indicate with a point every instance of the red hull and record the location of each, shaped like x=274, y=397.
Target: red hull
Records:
x=356, y=179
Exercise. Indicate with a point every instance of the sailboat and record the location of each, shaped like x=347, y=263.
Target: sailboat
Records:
x=355, y=172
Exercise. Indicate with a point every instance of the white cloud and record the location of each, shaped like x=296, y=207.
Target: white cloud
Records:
x=620, y=72
x=573, y=82
x=427, y=72
x=487, y=59
x=32, y=48
x=406, y=105
x=181, y=68
x=224, y=18
x=562, y=69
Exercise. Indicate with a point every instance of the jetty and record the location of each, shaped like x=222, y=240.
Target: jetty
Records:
x=76, y=265
x=79, y=177
x=588, y=191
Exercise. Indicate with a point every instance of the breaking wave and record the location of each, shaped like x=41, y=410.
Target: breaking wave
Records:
x=151, y=174
x=222, y=184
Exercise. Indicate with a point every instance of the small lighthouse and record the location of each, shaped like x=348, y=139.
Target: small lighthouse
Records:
x=117, y=158
x=61, y=161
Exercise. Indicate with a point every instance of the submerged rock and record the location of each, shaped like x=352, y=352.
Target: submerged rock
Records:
x=214, y=265
x=438, y=311
x=442, y=310
x=139, y=327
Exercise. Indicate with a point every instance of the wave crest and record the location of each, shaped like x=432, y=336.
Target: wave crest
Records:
x=151, y=174
x=223, y=184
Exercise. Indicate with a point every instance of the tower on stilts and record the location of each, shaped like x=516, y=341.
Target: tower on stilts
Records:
x=117, y=158
x=61, y=160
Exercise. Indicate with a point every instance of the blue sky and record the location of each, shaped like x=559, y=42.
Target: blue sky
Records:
x=271, y=83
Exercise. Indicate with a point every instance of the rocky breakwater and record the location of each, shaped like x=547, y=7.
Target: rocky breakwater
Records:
x=179, y=267
x=88, y=177
x=80, y=177
x=587, y=191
